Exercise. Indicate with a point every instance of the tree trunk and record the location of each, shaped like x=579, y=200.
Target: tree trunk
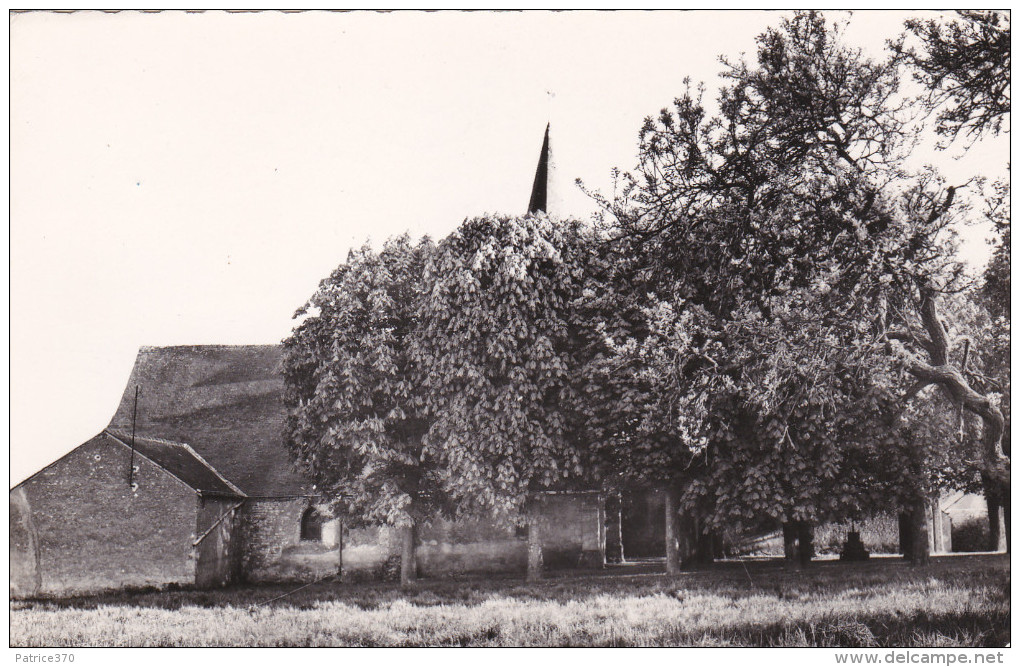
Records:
x=995, y=464
x=614, y=528
x=805, y=542
x=1005, y=512
x=1007, y=497
x=340, y=551
x=535, y=565
x=672, y=538
x=906, y=535
x=995, y=537
x=408, y=556
x=919, y=532
x=718, y=545
x=938, y=539
x=688, y=541
x=789, y=541
x=706, y=547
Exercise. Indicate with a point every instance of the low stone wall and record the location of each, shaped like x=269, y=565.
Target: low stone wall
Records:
x=374, y=553
x=273, y=550
x=510, y=555
x=367, y=550
x=573, y=536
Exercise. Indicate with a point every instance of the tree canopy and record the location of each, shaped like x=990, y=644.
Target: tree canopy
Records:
x=356, y=409
x=497, y=352
x=772, y=323
x=964, y=66
x=808, y=261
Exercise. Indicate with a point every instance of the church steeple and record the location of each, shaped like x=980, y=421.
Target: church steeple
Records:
x=540, y=189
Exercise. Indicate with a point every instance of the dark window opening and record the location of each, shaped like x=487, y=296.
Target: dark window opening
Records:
x=521, y=532
x=311, y=525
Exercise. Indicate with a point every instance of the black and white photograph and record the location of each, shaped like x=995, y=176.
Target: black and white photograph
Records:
x=510, y=329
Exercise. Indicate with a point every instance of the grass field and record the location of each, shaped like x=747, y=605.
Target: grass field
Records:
x=956, y=601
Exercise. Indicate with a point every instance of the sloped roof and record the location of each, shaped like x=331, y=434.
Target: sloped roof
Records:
x=226, y=402
x=181, y=461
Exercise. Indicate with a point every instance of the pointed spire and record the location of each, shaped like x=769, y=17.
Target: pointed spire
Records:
x=540, y=189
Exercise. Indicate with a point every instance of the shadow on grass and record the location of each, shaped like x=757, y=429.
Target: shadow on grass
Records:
x=733, y=579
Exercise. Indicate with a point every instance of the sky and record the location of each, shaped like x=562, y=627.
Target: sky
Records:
x=189, y=178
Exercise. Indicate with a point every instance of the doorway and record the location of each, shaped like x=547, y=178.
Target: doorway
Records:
x=643, y=525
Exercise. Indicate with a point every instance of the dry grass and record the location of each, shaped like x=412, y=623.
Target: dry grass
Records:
x=961, y=601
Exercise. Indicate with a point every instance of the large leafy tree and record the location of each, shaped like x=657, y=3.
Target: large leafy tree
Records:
x=354, y=394
x=985, y=319
x=635, y=413
x=788, y=227
x=497, y=355
x=964, y=65
x=995, y=287
x=746, y=214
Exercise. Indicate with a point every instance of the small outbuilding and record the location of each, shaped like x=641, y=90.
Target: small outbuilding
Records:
x=112, y=515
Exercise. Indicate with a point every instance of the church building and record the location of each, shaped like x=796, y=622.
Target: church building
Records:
x=191, y=484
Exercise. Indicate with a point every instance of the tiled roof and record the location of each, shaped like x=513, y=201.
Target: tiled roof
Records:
x=180, y=461
x=226, y=402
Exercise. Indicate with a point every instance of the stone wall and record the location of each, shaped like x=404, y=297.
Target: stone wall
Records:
x=573, y=536
x=450, y=548
x=446, y=559
x=445, y=548
x=26, y=579
x=272, y=548
x=366, y=550
x=80, y=528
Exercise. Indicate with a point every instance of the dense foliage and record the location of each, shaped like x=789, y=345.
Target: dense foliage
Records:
x=354, y=395
x=770, y=321
x=498, y=345
x=964, y=65
x=805, y=266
